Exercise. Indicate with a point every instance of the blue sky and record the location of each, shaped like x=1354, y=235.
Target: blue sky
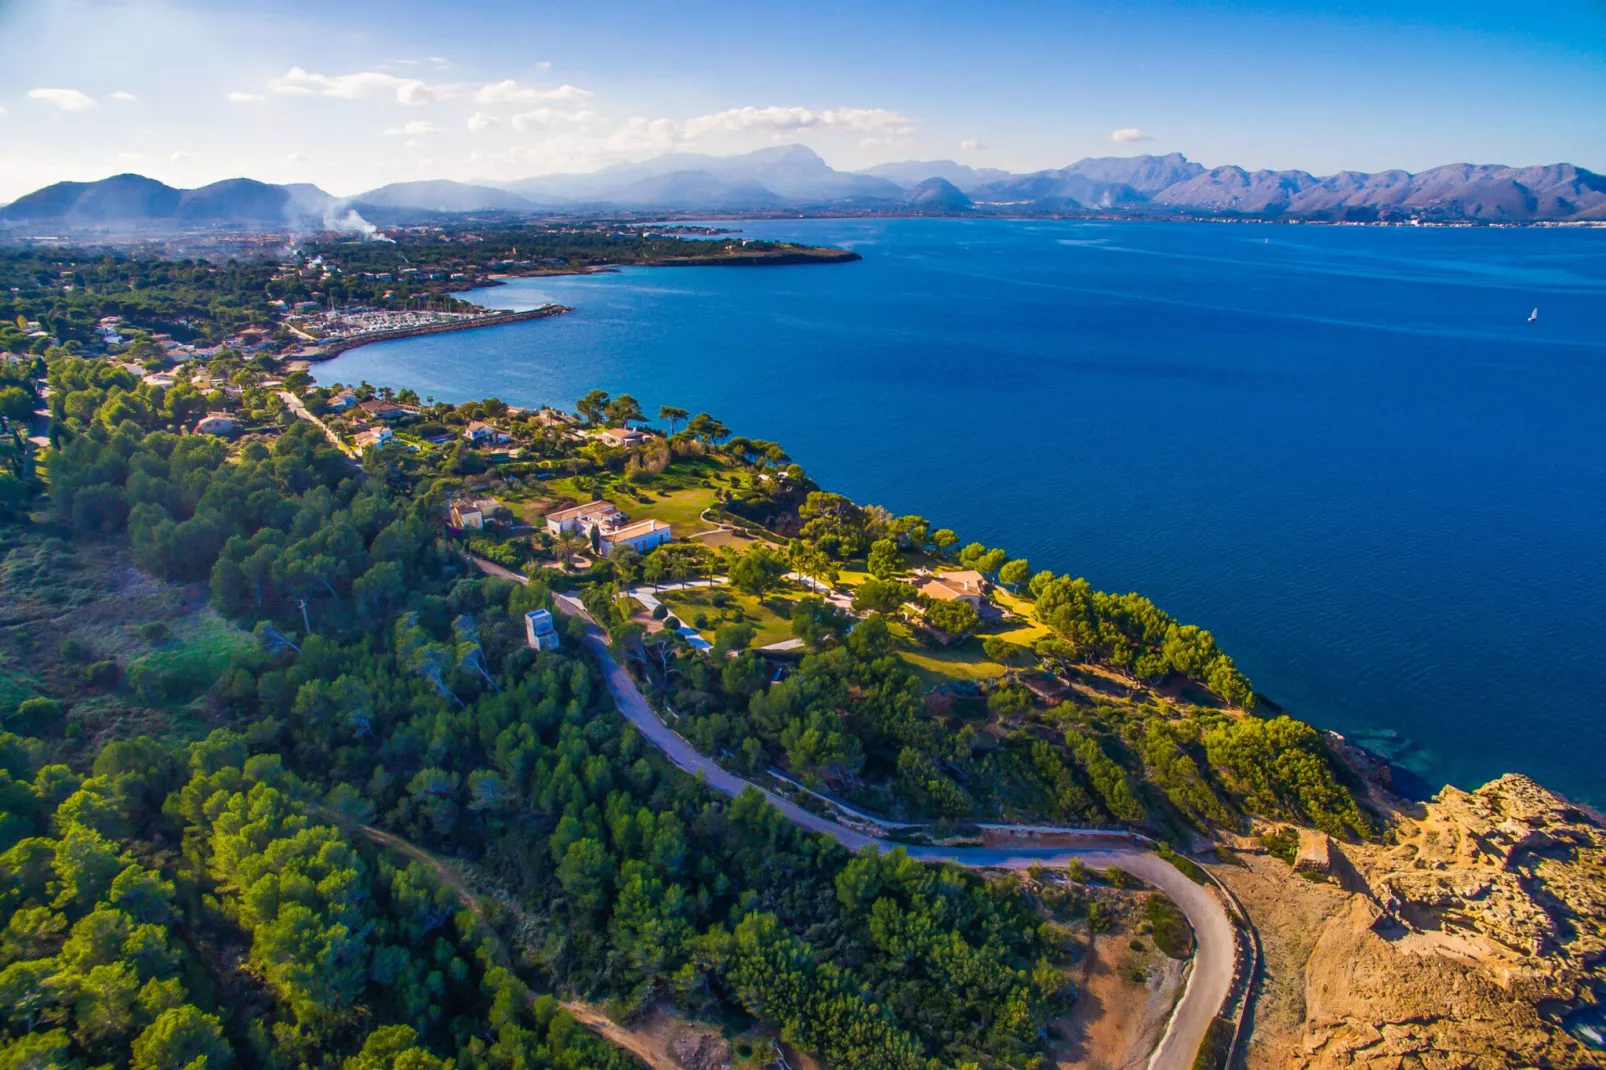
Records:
x=354, y=94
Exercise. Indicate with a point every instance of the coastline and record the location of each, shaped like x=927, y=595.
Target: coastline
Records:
x=491, y=319
x=790, y=259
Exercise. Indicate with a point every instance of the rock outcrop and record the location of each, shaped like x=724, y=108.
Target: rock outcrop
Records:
x=1461, y=943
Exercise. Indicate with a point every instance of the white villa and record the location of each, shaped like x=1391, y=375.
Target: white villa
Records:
x=613, y=529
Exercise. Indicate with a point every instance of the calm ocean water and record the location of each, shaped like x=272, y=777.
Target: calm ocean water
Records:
x=1343, y=450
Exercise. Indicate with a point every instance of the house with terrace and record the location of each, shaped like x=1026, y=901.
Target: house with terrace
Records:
x=481, y=433
x=584, y=517
x=966, y=585
x=374, y=439
x=473, y=513
x=608, y=527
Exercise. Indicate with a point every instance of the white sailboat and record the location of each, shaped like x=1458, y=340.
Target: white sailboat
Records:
x=1533, y=316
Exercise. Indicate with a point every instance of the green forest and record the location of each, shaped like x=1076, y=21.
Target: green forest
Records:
x=206, y=797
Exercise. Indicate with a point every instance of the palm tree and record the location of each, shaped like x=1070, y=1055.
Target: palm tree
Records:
x=570, y=543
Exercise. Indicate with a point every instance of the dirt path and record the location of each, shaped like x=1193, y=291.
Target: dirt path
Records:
x=586, y=1014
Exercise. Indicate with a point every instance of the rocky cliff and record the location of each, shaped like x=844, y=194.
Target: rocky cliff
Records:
x=1464, y=942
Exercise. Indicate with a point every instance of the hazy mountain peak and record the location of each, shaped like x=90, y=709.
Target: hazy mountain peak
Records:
x=794, y=176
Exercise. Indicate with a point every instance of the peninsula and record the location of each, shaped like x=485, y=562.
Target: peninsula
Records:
x=949, y=809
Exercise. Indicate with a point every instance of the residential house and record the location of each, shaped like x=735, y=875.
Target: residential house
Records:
x=554, y=418
x=967, y=586
x=342, y=401
x=963, y=586
x=481, y=432
x=384, y=410
x=217, y=423
x=609, y=527
x=473, y=512
x=584, y=517
x=641, y=536
x=623, y=436
x=539, y=632
x=375, y=439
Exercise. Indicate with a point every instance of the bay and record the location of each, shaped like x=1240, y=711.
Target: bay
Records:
x=1344, y=450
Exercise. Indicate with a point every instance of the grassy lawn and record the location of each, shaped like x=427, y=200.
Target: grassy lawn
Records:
x=771, y=626
x=962, y=661
x=681, y=509
x=734, y=539
x=202, y=646
x=1026, y=631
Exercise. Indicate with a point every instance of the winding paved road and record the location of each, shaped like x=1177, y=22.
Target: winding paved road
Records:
x=1213, y=962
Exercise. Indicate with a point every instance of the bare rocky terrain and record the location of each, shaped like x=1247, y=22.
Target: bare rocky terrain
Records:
x=1460, y=942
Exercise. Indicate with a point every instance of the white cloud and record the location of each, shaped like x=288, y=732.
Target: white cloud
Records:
x=130, y=157
x=970, y=144
x=509, y=91
x=417, y=126
x=781, y=122
x=238, y=97
x=480, y=121
x=181, y=156
x=544, y=65
x=411, y=91
x=545, y=118
x=122, y=94
x=440, y=64
x=1128, y=134
x=296, y=157
x=65, y=99
x=640, y=134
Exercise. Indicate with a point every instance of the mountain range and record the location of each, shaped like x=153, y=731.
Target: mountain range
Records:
x=793, y=177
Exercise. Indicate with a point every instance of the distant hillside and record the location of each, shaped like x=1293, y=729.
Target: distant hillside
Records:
x=910, y=173
x=785, y=174
x=1456, y=191
x=937, y=194
x=793, y=178
x=124, y=201
x=441, y=195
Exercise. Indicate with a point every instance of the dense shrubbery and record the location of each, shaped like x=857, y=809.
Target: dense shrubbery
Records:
x=1171, y=932
x=413, y=704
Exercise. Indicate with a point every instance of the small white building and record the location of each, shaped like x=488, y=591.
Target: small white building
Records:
x=473, y=513
x=375, y=439
x=479, y=431
x=584, y=517
x=217, y=423
x=641, y=536
x=539, y=633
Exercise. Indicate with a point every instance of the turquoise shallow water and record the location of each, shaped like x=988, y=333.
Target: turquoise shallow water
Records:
x=1343, y=450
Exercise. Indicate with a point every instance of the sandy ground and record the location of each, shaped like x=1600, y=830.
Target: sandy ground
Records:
x=1289, y=913
x=1117, y=1022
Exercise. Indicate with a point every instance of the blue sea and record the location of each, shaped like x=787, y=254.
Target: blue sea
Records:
x=1344, y=450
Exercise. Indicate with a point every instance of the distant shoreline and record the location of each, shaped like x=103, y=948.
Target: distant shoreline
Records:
x=490, y=319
